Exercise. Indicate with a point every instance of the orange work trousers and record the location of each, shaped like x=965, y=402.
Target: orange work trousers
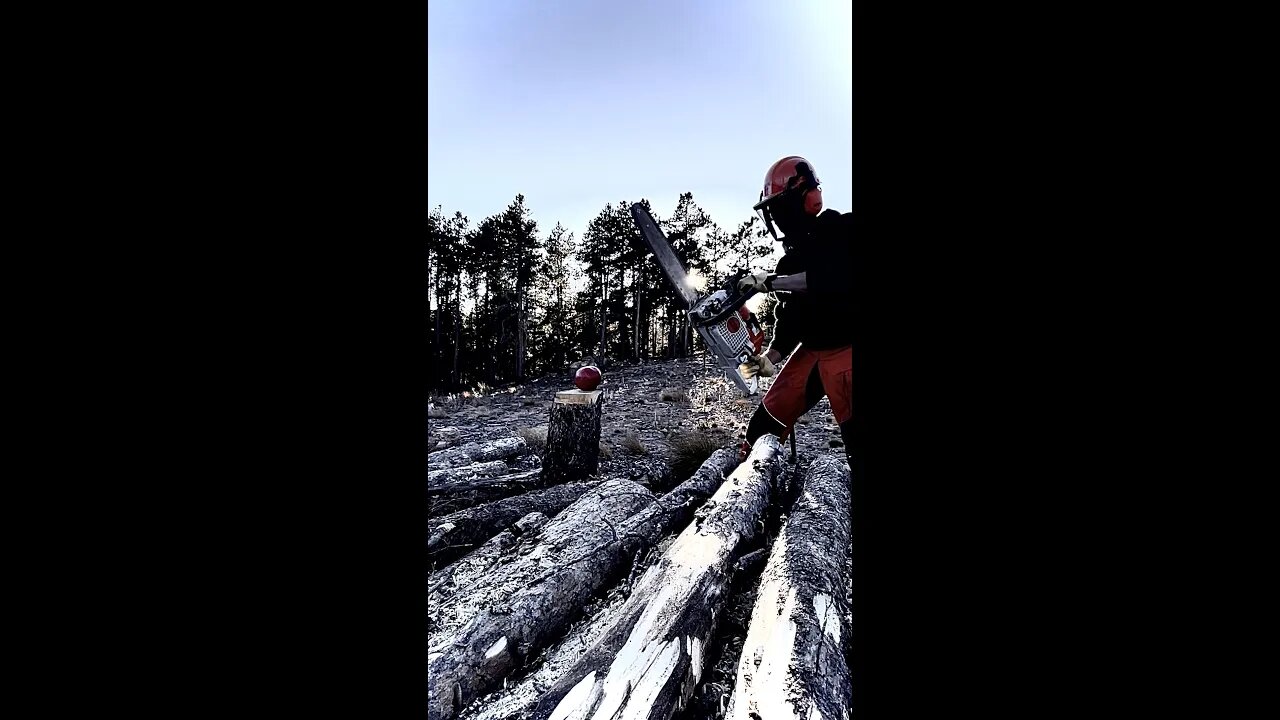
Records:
x=787, y=398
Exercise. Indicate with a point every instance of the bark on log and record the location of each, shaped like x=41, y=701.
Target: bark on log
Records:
x=442, y=438
x=464, y=492
x=518, y=482
x=793, y=662
x=453, y=535
x=464, y=573
x=650, y=525
x=520, y=609
x=472, y=453
x=441, y=478
x=648, y=664
x=573, y=438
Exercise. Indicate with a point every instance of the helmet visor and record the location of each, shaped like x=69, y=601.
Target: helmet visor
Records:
x=784, y=210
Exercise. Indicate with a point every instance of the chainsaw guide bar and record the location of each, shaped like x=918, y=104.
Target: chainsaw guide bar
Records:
x=729, y=330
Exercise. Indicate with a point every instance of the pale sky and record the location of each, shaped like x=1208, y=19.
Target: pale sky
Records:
x=578, y=103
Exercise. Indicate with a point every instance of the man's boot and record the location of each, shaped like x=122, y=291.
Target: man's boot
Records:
x=762, y=423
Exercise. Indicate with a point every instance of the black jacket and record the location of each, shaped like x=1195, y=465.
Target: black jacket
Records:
x=823, y=318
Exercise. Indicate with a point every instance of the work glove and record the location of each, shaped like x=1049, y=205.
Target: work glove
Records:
x=761, y=281
x=757, y=365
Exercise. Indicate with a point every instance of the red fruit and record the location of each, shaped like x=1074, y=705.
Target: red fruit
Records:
x=587, y=378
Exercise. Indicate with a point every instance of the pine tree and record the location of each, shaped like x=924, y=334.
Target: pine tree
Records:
x=520, y=262
x=603, y=252
x=554, y=299
x=685, y=231
x=445, y=254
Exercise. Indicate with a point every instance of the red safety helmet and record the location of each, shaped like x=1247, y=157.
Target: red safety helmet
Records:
x=790, y=186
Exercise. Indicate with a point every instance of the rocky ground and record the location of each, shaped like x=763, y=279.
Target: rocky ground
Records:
x=654, y=416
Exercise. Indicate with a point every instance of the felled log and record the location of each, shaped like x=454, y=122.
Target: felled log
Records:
x=453, y=535
x=473, y=566
x=520, y=608
x=471, y=453
x=462, y=493
x=442, y=438
x=442, y=478
x=793, y=662
x=675, y=508
x=648, y=664
x=573, y=437
x=458, y=485
x=650, y=524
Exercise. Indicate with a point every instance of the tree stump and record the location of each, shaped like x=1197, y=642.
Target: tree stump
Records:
x=573, y=437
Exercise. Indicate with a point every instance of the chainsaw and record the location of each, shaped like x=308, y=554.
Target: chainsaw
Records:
x=730, y=331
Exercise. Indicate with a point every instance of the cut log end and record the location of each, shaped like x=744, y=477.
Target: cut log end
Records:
x=578, y=397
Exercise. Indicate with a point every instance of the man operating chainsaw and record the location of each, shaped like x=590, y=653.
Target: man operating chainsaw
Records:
x=814, y=318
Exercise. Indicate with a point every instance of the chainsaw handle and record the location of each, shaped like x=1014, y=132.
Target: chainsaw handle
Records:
x=731, y=306
x=740, y=300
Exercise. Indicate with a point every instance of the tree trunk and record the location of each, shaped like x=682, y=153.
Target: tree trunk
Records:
x=635, y=282
x=648, y=664
x=438, y=313
x=603, y=323
x=672, y=320
x=520, y=335
x=573, y=437
x=455, y=534
x=432, y=345
x=474, y=452
x=513, y=613
x=793, y=659
x=457, y=333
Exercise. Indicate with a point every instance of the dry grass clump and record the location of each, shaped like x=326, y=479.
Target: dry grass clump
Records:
x=535, y=437
x=675, y=395
x=690, y=449
x=632, y=445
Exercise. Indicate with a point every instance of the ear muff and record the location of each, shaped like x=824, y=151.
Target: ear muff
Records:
x=813, y=201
